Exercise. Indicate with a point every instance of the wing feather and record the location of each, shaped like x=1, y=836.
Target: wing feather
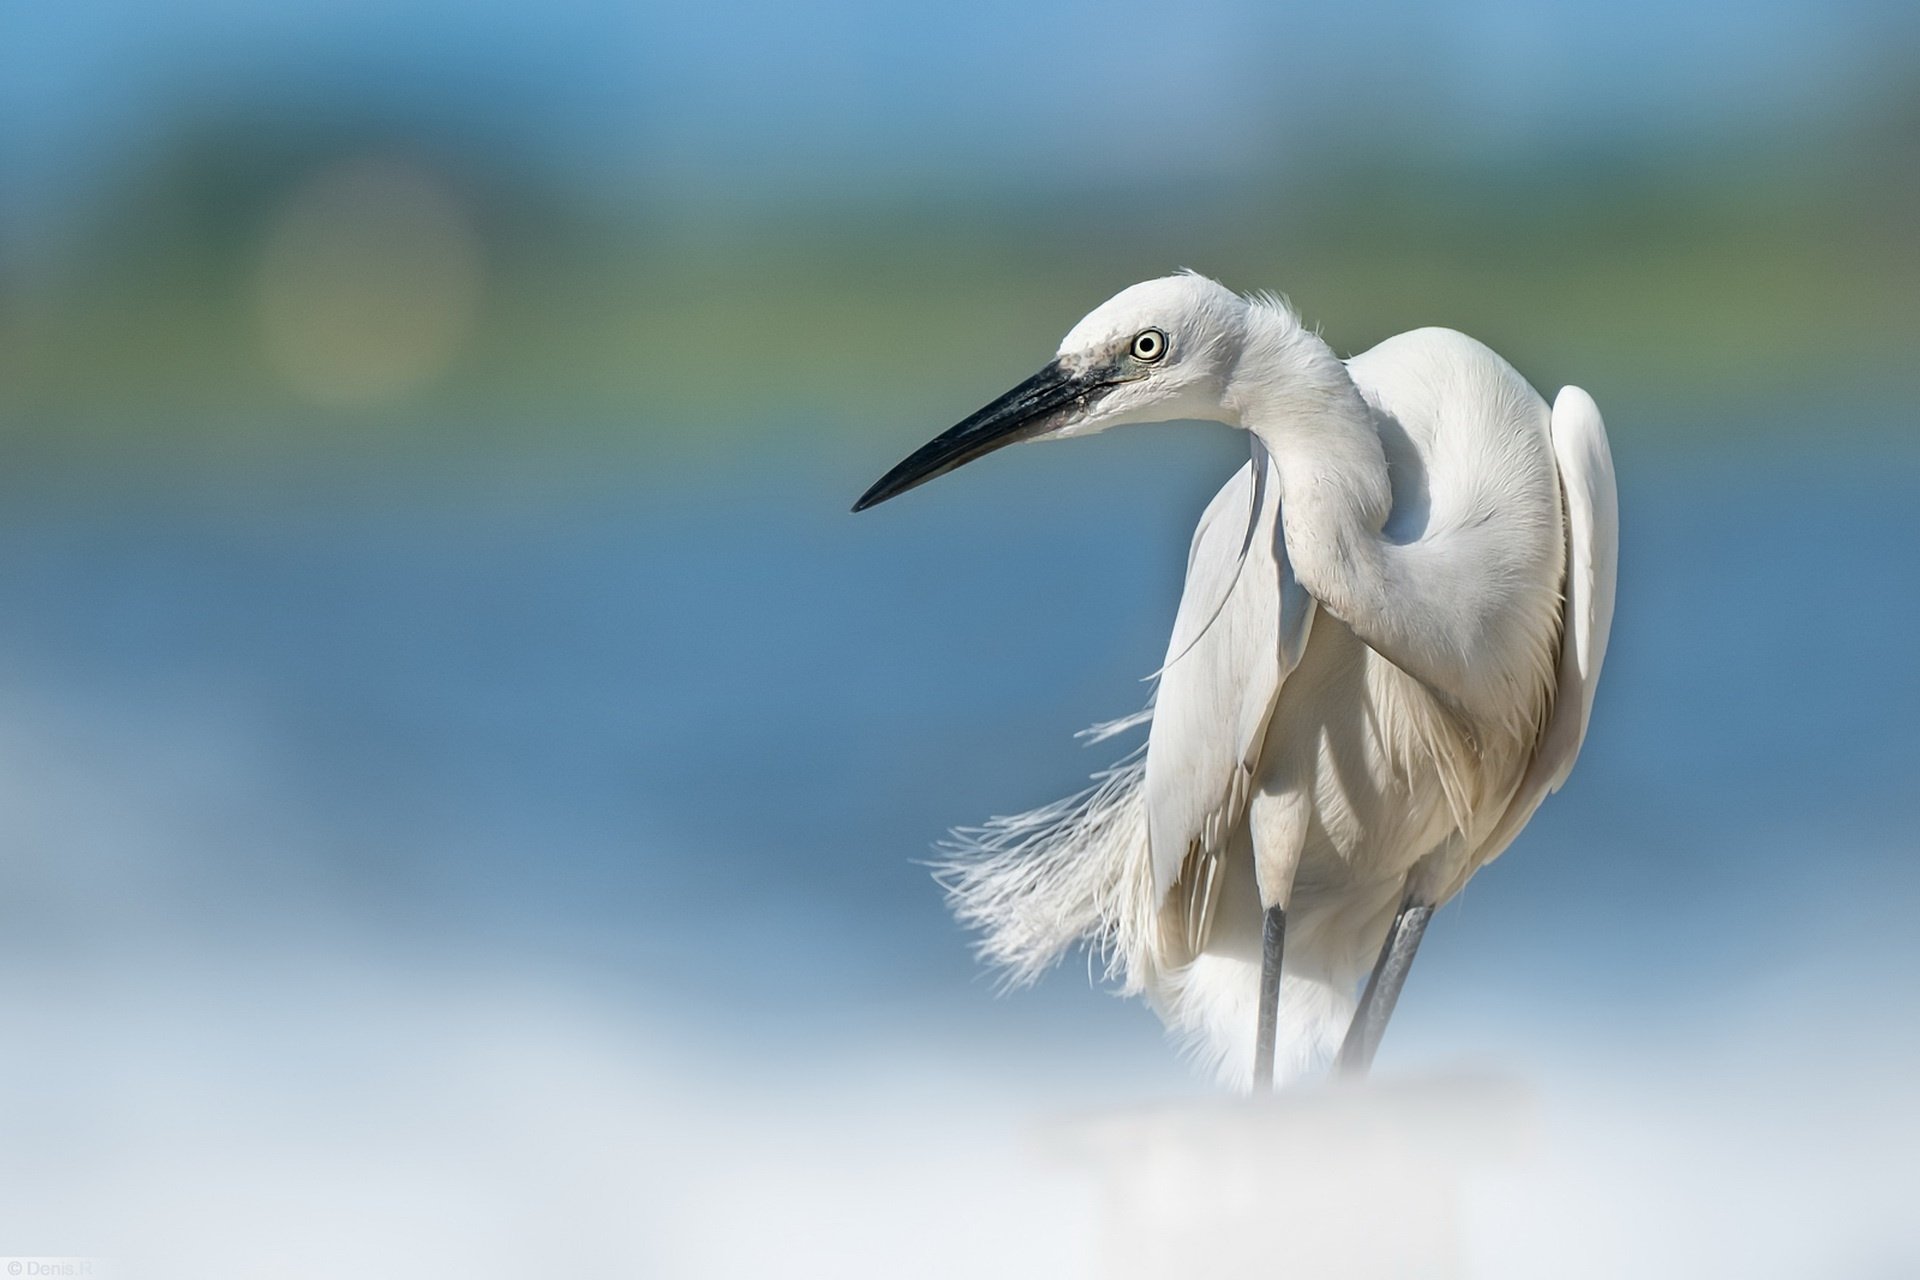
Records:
x=1592, y=512
x=1241, y=628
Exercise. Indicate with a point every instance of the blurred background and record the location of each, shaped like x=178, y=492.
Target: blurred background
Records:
x=464, y=776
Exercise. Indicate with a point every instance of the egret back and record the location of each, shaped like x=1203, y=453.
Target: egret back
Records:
x=1476, y=514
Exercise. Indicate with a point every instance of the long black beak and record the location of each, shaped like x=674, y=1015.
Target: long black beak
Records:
x=1021, y=414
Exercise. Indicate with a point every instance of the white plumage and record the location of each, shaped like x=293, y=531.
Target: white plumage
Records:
x=1384, y=658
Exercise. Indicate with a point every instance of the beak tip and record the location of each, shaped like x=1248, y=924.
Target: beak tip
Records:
x=1019, y=414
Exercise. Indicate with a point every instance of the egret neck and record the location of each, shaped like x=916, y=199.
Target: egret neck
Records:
x=1293, y=393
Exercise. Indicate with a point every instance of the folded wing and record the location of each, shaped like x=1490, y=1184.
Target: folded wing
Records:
x=1241, y=629
x=1592, y=511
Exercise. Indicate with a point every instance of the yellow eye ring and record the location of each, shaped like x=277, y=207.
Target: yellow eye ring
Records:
x=1148, y=346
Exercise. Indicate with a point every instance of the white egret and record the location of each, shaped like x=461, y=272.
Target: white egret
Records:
x=1384, y=658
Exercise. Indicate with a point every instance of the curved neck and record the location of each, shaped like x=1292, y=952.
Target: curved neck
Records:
x=1294, y=394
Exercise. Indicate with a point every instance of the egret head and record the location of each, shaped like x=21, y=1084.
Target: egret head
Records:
x=1160, y=350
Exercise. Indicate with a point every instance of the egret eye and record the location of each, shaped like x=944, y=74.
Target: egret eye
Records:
x=1148, y=345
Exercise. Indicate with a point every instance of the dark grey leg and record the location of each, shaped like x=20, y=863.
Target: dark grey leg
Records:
x=1272, y=942
x=1383, y=989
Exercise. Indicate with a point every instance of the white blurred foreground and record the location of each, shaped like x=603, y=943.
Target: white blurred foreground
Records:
x=274, y=1118
x=1347, y=1181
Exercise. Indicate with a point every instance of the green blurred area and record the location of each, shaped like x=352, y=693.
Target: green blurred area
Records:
x=1779, y=272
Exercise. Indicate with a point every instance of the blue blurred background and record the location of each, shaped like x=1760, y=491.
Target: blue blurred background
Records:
x=464, y=776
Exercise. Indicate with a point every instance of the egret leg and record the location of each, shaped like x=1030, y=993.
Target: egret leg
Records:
x=1383, y=989
x=1273, y=939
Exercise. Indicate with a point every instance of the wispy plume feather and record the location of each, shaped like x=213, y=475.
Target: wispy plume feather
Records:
x=1037, y=883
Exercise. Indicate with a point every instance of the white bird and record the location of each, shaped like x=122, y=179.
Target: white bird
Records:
x=1385, y=657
